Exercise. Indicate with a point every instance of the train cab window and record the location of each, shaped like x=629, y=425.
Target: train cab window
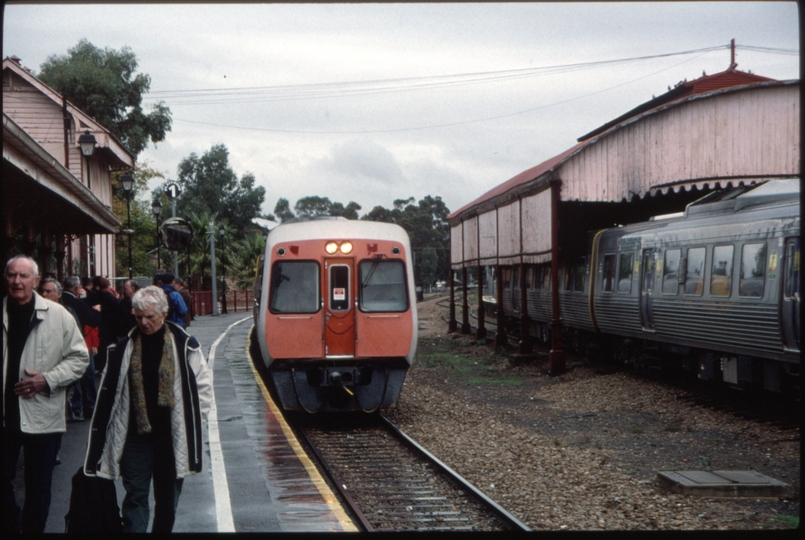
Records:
x=753, y=270
x=609, y=273
x=670, y=272
x=694, y=276
x=339, y=287
x=625, y=270
x=721, y=273
x=383, y=286
x=294, y=287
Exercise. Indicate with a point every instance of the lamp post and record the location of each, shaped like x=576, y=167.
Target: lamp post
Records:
x=222, y=231
x=87, y=143
x=211, y=232
x=156, y=208
x=172, y=191
x=127, y=180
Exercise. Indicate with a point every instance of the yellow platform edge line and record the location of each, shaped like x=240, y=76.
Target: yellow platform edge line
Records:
x=326, y=493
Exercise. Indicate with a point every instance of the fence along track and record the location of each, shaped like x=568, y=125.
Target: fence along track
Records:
x=392, y=484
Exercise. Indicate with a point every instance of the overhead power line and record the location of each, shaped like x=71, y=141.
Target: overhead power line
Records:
x=343, y=89
x=226, y=96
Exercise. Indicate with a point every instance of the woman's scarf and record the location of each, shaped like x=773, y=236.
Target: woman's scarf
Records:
x=167, y=373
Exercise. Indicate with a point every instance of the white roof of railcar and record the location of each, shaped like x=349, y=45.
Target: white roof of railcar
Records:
x=337, y=229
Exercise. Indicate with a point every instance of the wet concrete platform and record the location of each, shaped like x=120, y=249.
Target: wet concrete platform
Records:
x=255, y=477
x=722, y=483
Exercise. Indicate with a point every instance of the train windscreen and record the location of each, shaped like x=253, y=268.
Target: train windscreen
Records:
x=383, y=286
x=294, y=287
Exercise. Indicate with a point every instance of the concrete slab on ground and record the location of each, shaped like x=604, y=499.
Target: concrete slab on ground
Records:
x=722, y=483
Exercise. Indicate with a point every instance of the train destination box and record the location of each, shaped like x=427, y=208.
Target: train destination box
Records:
x=722, y=483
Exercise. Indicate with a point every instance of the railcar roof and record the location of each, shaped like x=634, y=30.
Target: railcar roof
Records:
x=337, y=229
x=770, y=192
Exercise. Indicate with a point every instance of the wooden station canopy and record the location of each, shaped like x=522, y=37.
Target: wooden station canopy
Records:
x=51, y=193
x=39, y=191
x=722, y=130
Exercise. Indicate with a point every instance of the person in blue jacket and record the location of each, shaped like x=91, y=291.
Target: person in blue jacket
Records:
x=177, y=308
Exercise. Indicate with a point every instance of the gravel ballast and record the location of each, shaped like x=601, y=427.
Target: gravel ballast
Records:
x=581, y=451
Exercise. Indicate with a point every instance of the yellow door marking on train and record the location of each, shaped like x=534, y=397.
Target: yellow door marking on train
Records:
x=326, y=493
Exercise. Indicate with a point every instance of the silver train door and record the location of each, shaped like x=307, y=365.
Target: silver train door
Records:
x=647, y=273
x=790, y=311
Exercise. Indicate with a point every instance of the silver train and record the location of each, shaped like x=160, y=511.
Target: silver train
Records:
x=713, y=290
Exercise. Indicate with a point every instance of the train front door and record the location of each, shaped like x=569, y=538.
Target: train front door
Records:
x=647, y=271
x=791, y=293
x=339, y=309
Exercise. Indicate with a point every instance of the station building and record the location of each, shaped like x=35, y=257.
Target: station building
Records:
x=719, y=131
x=57, y=203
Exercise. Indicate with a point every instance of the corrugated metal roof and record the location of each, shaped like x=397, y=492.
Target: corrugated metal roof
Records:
x=522, y=178
x=685, y=91
x=704, y=84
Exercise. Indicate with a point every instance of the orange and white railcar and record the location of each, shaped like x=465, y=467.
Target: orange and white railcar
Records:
x=337, y=321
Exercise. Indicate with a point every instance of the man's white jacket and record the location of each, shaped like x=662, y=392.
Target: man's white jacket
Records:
x=56, y=347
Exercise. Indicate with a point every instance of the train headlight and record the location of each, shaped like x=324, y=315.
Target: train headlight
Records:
x=331, y=247
x=346, y=248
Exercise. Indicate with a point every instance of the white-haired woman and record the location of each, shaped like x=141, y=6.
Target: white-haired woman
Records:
x=154, y=393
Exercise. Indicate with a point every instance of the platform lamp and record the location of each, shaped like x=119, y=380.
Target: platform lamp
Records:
x=87, y=143
x=127, y=181
x=222, y=232
x=156, y=207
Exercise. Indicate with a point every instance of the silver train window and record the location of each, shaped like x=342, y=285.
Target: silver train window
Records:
x=753, y=270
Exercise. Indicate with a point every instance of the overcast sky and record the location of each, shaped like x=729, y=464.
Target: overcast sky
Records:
x=372, y=103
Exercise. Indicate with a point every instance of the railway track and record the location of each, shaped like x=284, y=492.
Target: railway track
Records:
x=390, y=483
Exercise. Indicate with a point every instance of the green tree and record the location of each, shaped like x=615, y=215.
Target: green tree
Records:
x=349, y=212
x=313, y=206
x=195, y=262
x=245, y=255
x=283, y=211
x=102, y=83
x=210, y=186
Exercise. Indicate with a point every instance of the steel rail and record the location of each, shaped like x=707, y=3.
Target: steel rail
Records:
x=352, y=506
x=499, y=511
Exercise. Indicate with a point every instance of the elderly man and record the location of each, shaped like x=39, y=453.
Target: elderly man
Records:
x=43, y=353
x=156, y=391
